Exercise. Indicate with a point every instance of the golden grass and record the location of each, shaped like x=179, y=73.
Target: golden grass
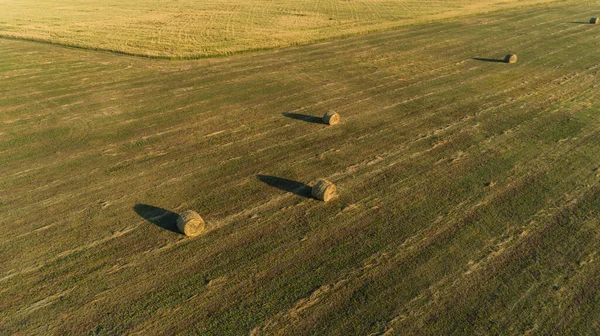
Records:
x=190, y=28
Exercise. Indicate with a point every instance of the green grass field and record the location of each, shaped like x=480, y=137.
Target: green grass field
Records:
x=192, y=28
x=469, y=195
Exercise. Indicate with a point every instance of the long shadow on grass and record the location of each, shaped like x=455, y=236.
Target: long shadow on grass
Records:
x=158, y=216
x=303, y=117
x=492, y=60
x=294, y=187
x=581, y=22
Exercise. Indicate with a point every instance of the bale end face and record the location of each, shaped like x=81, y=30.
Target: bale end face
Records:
x=190, y=223
x=331, y=118
x=510, y=58
x=323, y=190
x=594, y=20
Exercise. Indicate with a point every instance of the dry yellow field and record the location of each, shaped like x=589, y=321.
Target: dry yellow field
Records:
x=468, y=189
x=191, y=28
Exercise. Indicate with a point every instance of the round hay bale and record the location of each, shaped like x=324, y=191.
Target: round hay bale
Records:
x=594, y=20
x=190, y=223
x=510, y=58
x=323, y=190
x=331, y=118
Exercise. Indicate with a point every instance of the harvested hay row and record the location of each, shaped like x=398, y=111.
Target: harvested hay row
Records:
x=510, y=58
x=323, y=190
x=594, y=20
x=190, y=223
x=331, y=118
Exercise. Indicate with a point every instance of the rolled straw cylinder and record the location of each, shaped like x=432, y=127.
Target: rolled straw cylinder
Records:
x=510, y=58
x=323, y=190
x=331, y=118
x=190, y=223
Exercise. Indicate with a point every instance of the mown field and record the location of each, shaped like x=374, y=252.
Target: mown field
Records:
x=192, y=29
x=468, y=200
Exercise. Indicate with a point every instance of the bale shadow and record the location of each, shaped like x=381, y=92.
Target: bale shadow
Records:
x=492, y=60
x=303, y=117
x=581, y=22
x=294, y=187
x=158, y=216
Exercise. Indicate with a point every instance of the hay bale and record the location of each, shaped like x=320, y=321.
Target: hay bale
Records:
x=190, y=223
x=331, y=118
x=323, y=190
x=510, y=58
x=594, y=20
